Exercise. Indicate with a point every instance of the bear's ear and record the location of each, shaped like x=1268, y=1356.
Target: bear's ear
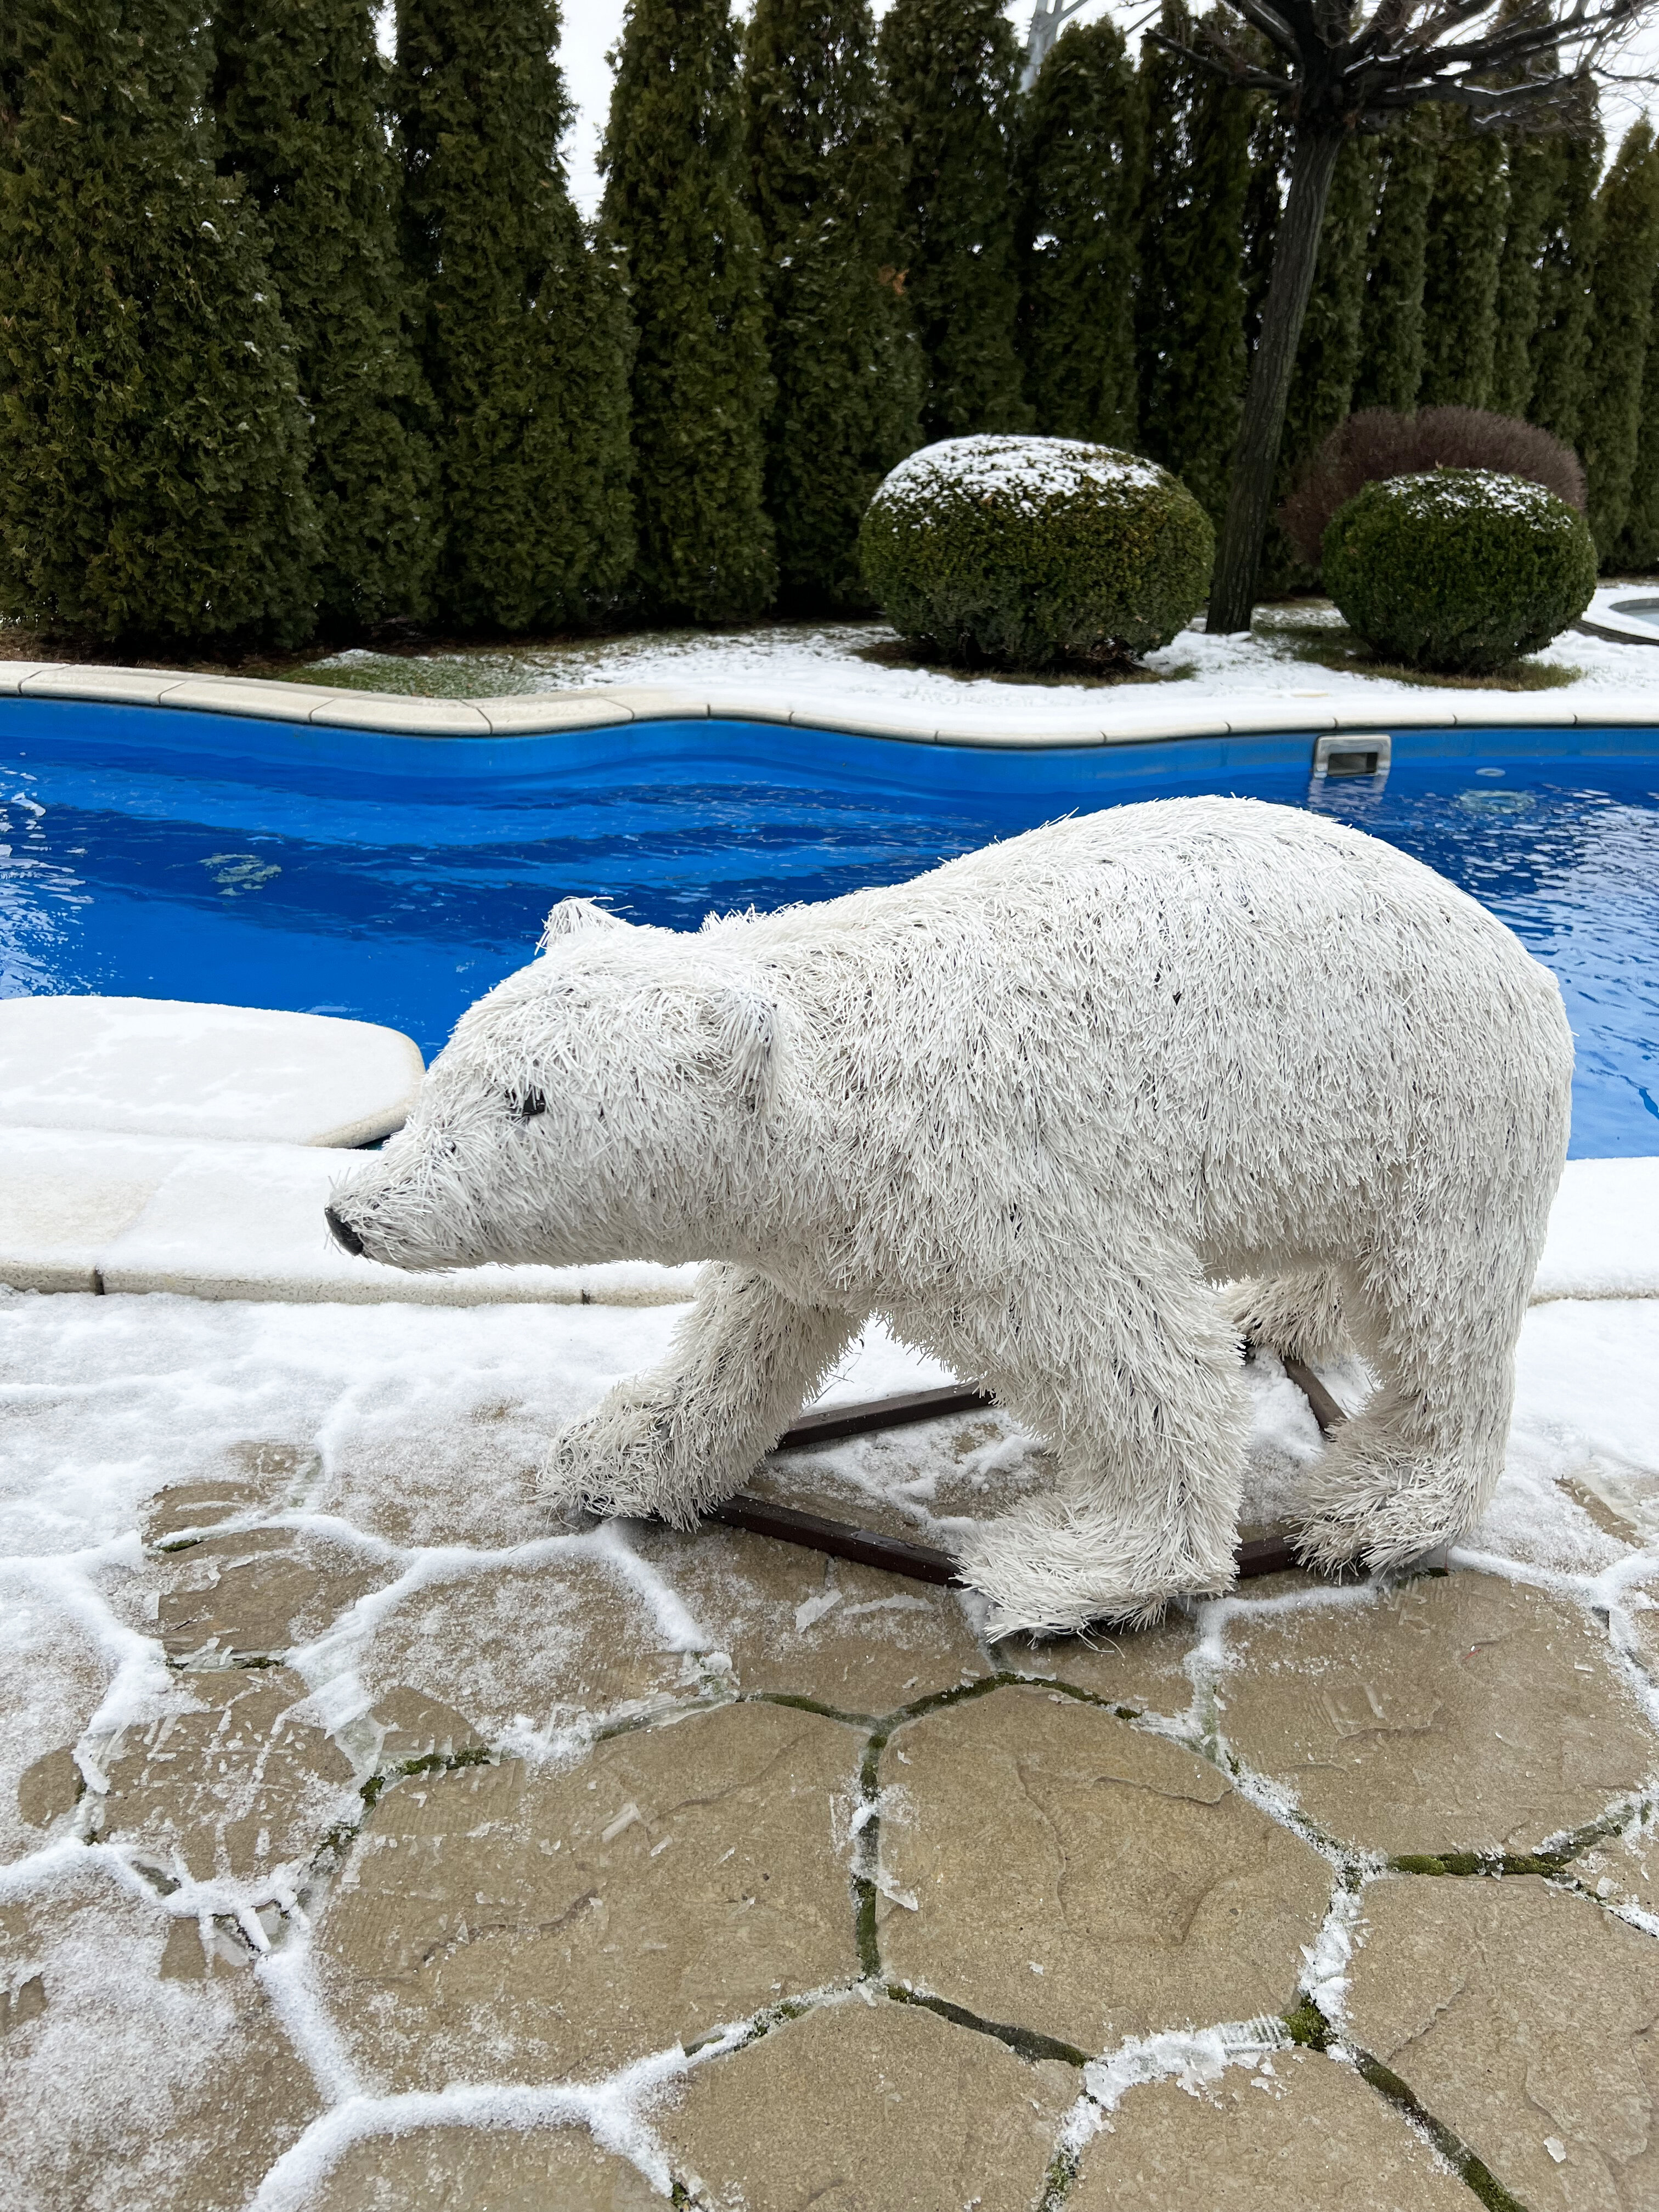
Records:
x=574, y=914
x=745, y=1026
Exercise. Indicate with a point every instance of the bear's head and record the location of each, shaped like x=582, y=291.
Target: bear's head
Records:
x=605, y=1103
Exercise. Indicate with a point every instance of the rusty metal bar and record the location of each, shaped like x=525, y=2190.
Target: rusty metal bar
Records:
x=1323, y=1407
x=867, y=1413
x=843, y=1539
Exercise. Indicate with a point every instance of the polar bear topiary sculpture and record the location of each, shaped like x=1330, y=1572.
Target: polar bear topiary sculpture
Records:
x=1035, y=1109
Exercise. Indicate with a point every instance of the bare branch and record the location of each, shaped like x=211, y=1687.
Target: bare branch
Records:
x=1220, y=62
x=1271, y=25
x=1489, y=106
x=1386, y=24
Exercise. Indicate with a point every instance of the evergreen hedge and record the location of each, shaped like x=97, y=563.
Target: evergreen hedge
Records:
x=845, y=362
x=1026, y=551
x=1532, y=172
x=299, y=94
x=1560, y=345
x=1460, y=570
x=1621, y=314
x=675, y=201
x=1080, y=155
x=1638, y=546
x=153, y=489
x=1190, y=317
x=1466, y=221
x=1390, y=369
x=952, y=70
x=525, y=335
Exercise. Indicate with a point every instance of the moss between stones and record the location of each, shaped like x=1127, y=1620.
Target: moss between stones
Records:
x=1474, y=2171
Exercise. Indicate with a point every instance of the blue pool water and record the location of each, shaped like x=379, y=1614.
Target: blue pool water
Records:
x=191, y=856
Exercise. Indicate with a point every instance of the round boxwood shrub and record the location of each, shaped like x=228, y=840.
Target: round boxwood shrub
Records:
x=1022, y=552
x=1458, y=570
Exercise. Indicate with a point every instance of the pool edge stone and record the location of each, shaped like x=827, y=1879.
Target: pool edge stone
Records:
x=546, y=714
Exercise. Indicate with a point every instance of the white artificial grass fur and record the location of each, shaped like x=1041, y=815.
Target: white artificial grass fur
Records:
x=1035, y=1109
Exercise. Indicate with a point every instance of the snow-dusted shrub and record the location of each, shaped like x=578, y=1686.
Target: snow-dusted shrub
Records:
x=1020, y=552
x=1381, y=441
x=1460, y=570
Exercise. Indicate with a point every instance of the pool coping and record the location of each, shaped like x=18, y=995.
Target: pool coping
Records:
x=548, y=713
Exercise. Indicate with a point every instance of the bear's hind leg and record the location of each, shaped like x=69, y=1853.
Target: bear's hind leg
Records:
x=1135, y=1378
x=675, y=1441
x=1416, y=1468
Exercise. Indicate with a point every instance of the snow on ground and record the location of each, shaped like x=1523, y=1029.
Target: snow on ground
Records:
x=1296, y=653
x=430, y=1422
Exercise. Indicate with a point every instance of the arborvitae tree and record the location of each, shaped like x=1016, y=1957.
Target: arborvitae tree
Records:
x=845, y=360
x=1467, y=218
x=1531, y=178
x=1391, y=323
x=153, y=486
x=297, y=92
x=1081, y=152
x=1621, y=309
x=952, y=67
x=1560, y=343
x=1190, y=324
x=526, y=340
x=1638, y=546
x=675, y=201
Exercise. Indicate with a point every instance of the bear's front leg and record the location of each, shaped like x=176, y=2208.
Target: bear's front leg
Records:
x=1131, y=1370
x=674, y=1441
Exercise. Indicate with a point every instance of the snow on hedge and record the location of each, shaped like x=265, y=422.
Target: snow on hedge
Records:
x=1030, y=472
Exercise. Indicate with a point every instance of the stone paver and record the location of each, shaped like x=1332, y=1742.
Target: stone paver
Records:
x=260, y=1477
x=1624, y=1867
x=1148, y=1895
x=678, y=1863
x=1460, y=1712
x=546, y=1644
x=54, y=1677
x=495, y=1924
x=475, y=1482
x=791, y=1621
x=870, y=2109
x=49, y=1787
x=235, y=1779
x=1525, y=2019
x=418, y=1729
x=128, y=2087
x=256, y=1595
x=484, y=2169
x=1300, y=2129
x=1144, y=1669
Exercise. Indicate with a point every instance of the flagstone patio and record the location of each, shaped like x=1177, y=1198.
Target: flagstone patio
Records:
x=448, y=1876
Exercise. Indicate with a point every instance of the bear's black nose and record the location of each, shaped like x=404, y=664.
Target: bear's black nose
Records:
x=343, y=1232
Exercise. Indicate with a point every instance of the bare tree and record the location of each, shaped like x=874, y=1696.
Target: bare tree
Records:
x=1338, y=67
x=1049, y=19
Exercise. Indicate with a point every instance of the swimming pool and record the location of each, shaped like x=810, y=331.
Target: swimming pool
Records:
x=191, y=855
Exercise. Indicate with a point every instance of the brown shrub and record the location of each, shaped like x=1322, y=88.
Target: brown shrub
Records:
x=1378, y=443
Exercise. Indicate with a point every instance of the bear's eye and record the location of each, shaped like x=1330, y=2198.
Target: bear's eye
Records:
x=529, y=1106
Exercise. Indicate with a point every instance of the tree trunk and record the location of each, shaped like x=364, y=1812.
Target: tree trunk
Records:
x=1255, y=457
